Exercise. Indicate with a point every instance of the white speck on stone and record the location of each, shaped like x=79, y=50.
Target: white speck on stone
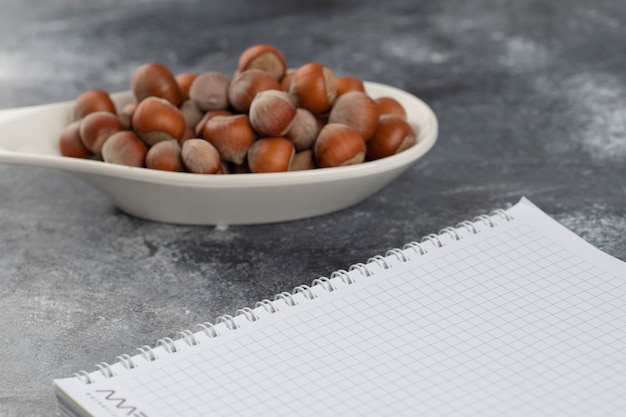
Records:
x=595, y=227
x=414, y=50
x=597, y=16
x=602, y=102
x=11, y=67
x=522, y=53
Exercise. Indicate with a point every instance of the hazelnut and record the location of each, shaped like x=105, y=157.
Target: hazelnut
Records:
x=208, y=115
x=209, y=91
x=303, y=160
x=345, y=84
x=272, y=112
x=245, y=86
x=165, y=156
x=156, y=119
x=191, y=112
x=92, y=101
x=124, y=148
x=231, y=136
x=126, y=115
x=388, y=106
x=96, y=128
x=155, y=80
x=393, y=135
x=70, y=143
x=184, y=81
x=314, y=87
x=270, y=155
x=303, y=130
x=263, y=57
x=200, y=157
x=337, y=145
x=357, y=110
x=285, y=82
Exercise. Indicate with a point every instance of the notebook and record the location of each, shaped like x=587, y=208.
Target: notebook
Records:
x=509, y=314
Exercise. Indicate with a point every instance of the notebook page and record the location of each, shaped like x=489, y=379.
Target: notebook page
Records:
x=524, y=319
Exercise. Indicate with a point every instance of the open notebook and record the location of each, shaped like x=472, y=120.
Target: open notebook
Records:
x=509, y=314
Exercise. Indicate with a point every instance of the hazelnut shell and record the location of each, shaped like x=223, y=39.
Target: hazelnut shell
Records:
x=272, y=112
x=232, y=136
x=357, y=110
x=124, y=148
x=165, y=156
x=200, y=157
x=70, y=143
x=209, y=91
x=156, y=119
x=246, y=85
x=345, y=84
x=388, y=106
x=184, y=81
x=303, y=130
x=96, y=127
x=303, y=160
x=271, y=155
x=155, y=80
x=264, y=57
x=314, y=87
x=339, y=145
x=393, y=135
x=92, y=101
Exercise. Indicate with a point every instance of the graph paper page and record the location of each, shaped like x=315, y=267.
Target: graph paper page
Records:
x=523, y=319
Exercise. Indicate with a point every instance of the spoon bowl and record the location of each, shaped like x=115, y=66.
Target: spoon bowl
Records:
x=29, y=136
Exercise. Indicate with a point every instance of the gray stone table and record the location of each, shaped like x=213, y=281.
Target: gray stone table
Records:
x=530, y=96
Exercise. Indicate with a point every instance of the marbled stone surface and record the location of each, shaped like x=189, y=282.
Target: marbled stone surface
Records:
x=531, y=100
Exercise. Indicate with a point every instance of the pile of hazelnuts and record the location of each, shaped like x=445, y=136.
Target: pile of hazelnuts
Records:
x=266, y=118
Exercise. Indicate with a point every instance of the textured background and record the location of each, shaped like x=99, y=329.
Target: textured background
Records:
x=531, y=100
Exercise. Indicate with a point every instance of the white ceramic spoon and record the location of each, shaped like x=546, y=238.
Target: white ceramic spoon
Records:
x=29, y=136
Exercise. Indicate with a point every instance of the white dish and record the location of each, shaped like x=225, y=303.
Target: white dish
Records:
x=29, y=136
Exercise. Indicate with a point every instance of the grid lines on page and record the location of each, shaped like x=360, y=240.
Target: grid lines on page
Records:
x=512, y=325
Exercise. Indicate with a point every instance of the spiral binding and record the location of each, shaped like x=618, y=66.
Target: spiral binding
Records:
x=330, y=284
